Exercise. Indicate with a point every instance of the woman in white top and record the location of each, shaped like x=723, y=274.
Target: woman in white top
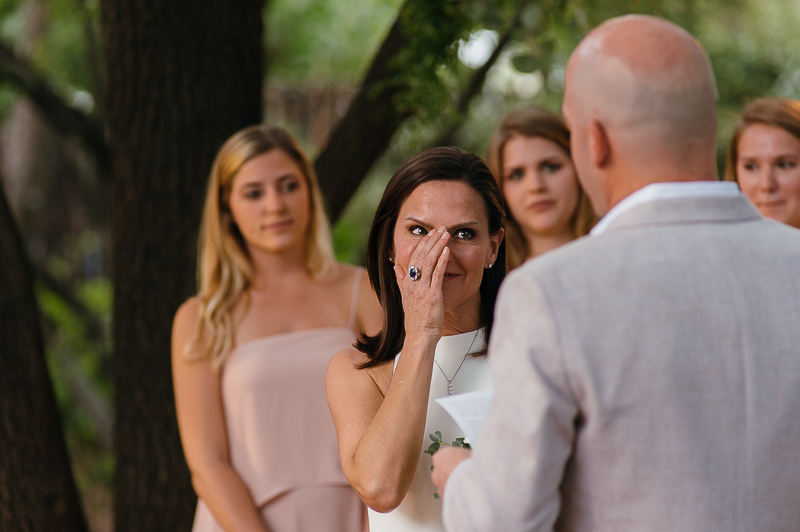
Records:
x=436, y=259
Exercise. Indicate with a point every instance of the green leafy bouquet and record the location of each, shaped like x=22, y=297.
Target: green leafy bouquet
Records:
x=436, y=438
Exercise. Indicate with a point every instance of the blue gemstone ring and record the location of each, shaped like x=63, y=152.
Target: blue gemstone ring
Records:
x=414, y=273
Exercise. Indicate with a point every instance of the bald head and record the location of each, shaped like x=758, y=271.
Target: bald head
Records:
x=633, y=69
x=649, y=84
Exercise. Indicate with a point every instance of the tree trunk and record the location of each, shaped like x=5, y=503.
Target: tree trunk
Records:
x=181, y=79
x=37, y=491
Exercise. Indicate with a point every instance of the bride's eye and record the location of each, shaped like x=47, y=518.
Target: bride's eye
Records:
x=418, y=230
x=465, y=234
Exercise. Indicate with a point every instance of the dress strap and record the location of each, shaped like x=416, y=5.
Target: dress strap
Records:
x=351, y=320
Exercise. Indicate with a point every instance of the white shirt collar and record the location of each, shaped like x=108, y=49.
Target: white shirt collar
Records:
x=661, y=191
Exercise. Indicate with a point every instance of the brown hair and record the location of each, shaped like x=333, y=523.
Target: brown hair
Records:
x=436, y=164
x=534, y=122
x=781, y=112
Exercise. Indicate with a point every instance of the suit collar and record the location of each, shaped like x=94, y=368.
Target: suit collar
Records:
x=662, y=191
x=686, y=210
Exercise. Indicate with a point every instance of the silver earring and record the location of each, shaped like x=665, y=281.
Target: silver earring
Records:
x=490, y=265
x=391, y=259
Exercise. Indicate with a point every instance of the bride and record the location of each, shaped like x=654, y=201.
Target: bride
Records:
x=436, y=259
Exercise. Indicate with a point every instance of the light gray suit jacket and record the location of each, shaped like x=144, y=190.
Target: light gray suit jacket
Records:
x=647, y=379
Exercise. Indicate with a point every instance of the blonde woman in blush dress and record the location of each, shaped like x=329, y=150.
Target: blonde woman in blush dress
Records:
x=530, y=154
x=249, y=351
x=433, y=246
x=764, y=158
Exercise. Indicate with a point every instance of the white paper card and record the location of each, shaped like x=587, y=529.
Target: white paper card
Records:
x=468, y=410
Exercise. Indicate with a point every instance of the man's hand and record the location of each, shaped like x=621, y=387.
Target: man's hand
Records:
x=444, y=461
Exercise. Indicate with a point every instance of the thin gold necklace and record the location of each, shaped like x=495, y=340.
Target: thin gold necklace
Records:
x=448, y=379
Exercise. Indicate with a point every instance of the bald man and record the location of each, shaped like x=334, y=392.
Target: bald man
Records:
x=647, y=376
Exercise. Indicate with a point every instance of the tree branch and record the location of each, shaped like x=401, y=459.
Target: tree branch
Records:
x=94, y=56
x=475, y=83
x=82, y=388
x=63, y=117
x=94, y=327
x=380, y=106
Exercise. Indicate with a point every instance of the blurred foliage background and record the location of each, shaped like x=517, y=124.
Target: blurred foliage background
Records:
x=317, y=52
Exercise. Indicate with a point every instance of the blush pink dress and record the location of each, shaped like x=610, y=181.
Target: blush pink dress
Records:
x=281, y=436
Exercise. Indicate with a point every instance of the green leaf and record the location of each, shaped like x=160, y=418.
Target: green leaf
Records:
x=433, y=448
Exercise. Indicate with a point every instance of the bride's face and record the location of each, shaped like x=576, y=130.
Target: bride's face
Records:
x=456, y=206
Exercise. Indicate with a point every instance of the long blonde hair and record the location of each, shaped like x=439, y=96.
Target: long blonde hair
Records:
x=534, y=122
x=225, y=272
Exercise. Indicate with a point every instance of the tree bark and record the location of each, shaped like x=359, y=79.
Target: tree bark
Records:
x=37, y=491
x=180, y=80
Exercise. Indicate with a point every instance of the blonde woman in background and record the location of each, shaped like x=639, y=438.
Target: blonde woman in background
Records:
x=546, y=205
x=249, y=351
x=764, y=158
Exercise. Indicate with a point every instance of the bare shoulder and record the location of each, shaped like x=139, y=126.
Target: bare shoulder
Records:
x=188, y=309
x=338, y=282
x=368, y=313
x=344, y=372
x=345, y=363
x=369, y=316
x=340, y=275
x=184, y=323
x=345, y=275
x=346, y=270
x=186, y=314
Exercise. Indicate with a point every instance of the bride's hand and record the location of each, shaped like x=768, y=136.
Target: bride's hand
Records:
x=423, y=301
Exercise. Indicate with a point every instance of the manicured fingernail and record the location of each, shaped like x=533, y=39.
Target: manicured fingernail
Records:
x=442, y=229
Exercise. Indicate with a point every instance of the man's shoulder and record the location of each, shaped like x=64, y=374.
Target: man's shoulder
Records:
x=576, y=254
x=566, y=266
x=622, y=255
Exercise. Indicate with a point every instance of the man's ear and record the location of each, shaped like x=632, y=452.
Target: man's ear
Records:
x=599, y=146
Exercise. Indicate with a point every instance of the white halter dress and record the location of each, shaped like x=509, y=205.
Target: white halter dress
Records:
x=419, y=511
